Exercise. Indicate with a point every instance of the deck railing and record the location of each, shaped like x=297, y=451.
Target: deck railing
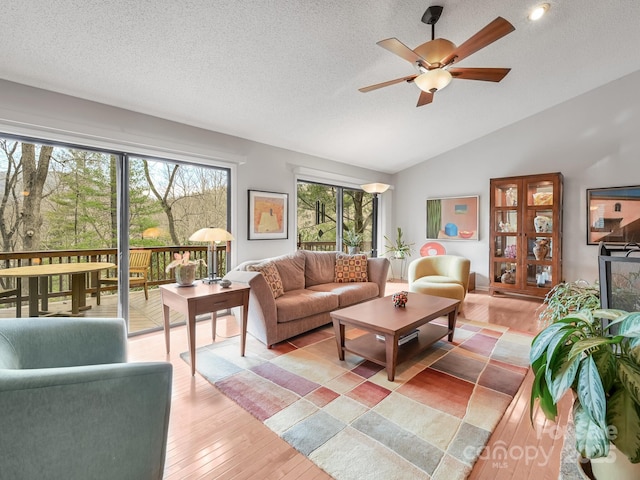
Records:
x=60, y=285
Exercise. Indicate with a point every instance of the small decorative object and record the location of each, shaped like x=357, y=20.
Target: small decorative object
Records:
x=510, y=197
x=400, y=299
x=510, y=251
x=225, y=283
x=185, y=269
x=543, y=224
x=505, y=227
x=508, y=277
x=543, y=198
x=541, y=249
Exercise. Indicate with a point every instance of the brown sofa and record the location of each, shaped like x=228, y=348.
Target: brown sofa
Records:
x=310, y=292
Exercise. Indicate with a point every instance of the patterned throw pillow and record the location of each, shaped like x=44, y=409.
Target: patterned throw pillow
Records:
x=271, y=275
x=351, y=268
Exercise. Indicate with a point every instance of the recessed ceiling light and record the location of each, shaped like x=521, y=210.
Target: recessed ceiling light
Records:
x=538, y=12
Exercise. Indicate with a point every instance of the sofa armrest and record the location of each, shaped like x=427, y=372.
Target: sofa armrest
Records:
x=99, y=421
x=263, y=314
x=378, y=270
x=61, y=342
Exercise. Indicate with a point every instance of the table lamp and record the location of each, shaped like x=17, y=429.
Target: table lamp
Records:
x=213, y=236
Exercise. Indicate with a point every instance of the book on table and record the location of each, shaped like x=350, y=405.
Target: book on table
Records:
x=407, y=337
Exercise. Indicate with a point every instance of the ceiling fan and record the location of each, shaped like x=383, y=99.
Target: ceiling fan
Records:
x=434, y=59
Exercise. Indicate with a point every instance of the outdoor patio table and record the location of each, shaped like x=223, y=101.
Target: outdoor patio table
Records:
x=78, y=286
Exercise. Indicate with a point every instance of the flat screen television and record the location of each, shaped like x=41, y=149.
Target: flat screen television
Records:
x=619, y=276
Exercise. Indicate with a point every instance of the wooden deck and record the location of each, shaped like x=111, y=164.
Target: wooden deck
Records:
x=143, y=314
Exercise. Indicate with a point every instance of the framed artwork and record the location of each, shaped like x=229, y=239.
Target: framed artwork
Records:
x=613, y=215
x=268, y=215
x=452, y=218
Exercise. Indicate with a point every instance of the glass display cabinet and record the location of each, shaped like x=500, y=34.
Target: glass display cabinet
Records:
x=526, y=234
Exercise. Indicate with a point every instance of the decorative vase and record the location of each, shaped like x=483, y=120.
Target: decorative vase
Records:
x=352, y=250
x=541, y=249
x=186, y=274
x=400, y=299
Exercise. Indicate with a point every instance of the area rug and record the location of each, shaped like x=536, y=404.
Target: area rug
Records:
x=432, y=422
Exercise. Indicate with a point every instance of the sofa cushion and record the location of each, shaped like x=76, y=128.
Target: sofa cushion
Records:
x=436, y=279
x=291, y=269
x=349, y=293
x=271, y=275
x=351, y=268
x=320, y=267
x=296, y=304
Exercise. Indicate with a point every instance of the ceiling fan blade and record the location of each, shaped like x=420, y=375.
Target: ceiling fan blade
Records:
x=425, y=98
x=489, y=34
x=485, y=74
x=397, y=47
x=386, y=84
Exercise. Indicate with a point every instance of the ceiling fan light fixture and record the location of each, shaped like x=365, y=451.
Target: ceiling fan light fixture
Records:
x=433, y=80
x=538, y=12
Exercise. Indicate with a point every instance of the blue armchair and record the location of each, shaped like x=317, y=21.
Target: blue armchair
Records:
x=72, y=408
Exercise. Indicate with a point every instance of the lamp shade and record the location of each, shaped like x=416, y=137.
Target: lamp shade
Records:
x=210, y=234
x=375, y=187
x=433, y=80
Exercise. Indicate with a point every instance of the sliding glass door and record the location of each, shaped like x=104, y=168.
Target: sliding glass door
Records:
x=77, y=216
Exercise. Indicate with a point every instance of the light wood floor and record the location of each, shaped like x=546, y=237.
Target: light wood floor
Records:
x=210, y=437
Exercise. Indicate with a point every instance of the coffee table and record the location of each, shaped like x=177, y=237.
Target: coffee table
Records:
x=381, y=317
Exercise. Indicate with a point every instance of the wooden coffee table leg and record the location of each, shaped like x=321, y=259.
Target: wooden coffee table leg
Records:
x=339, y=331
x=452, y=323
x=391, y=346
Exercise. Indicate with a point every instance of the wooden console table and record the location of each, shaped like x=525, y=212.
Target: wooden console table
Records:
x=203, y=298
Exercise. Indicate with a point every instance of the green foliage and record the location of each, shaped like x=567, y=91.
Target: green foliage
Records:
x=398, y=247
x=595, y=353
x=352, y=239
x=568, y=297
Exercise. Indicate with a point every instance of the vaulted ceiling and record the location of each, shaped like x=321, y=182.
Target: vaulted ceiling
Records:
x=287, y=72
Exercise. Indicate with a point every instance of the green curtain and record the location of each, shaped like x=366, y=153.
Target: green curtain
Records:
x=434, y=218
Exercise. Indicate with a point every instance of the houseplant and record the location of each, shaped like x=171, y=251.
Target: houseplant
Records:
x=185, y=269
x=579, y=352
x=568, y=297
x=398, y=247
x=352, y=240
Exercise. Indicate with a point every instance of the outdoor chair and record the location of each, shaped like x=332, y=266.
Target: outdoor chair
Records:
x=73, y=408
x=139, y=263
x=14, y=294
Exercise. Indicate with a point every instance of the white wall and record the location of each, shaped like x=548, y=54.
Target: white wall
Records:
x=43, y=114
x=593, y=139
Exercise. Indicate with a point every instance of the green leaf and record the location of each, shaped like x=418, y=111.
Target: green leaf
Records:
x=623, y=415
x=588, y=343
x=606, y=364
x=563, y=379
x=541, y=341
x=591, y=391
x=630, y=325
x=540, y=391
x=629, y=375
x=591, y=439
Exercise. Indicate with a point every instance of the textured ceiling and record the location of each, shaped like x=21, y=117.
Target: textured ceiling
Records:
x=286, y=72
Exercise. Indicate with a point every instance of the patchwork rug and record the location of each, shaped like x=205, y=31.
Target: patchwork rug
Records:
x=431, y=422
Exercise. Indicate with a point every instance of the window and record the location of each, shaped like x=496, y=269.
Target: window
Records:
x=326, y=212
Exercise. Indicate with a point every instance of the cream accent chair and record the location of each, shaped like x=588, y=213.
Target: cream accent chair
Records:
x=440, y=275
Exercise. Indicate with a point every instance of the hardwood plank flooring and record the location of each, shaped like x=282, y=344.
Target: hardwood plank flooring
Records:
x=210, y=437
